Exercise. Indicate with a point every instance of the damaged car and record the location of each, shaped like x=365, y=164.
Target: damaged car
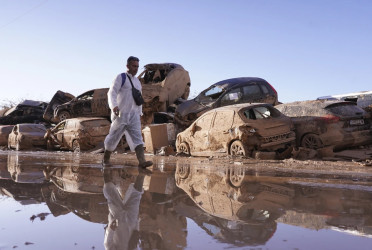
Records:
x=5, y=130
x=321, y=123
x=237, y=130
x=92, y=103
x=27, y=136
x=162, y=84
x=28, y=111
x=59, y=98
x=223, y=93
x=77, y=133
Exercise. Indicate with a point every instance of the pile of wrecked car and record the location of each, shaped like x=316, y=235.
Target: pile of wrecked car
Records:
x=237, y=116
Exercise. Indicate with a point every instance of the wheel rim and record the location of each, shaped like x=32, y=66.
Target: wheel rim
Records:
x=237, y=149
x=183, y=171
x=183, y=148
x=64, y=115
x=311, y=141
x=237, y=176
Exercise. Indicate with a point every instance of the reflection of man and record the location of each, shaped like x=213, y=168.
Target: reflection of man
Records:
x=125, y=114
x=122, y=229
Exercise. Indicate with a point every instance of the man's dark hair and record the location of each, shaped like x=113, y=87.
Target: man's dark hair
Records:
x=132, y=58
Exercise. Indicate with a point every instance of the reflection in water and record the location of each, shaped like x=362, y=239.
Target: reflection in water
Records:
x=243, y=209
x=233, y=204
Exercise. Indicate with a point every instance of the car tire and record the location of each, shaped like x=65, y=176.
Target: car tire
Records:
x=312, y=141
x=238, y=148
x=237, y=175
x=76, y=146
x=183, y=148
x=183, y=171
x=63, y=115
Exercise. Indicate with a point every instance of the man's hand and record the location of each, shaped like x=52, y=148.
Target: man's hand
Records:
x=116, y=110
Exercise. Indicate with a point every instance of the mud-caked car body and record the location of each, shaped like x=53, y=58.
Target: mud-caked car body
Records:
x=322, y=123
x=27, y=111
x=59, y=98
x=27, y=136
x=92, y=103
x=162, y=84
x=226, y=92
x=78, y=133
x=237, y=130
x=5, y=130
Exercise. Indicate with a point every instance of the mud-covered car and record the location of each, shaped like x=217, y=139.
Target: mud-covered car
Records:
x=5, y=130
x=27, y=111
x=59, y=98
x=92, y=103
x=237, y=130
x=226, y=92
x=77, y=133
x=320, y=123
x=27, y=136
x=162, y=85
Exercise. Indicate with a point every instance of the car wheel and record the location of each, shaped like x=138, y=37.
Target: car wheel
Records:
x=237, y=176
x=183, y=171
x=311, y=141
x=183, y=148
x=76, y=146
x=237, y=148
x=63, y=115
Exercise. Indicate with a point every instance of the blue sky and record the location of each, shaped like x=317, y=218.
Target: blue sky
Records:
x=305, y=49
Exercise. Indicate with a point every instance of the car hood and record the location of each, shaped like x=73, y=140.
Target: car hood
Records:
x=190, y=106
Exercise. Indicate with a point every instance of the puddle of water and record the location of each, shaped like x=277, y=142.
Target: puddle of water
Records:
x=64, y=201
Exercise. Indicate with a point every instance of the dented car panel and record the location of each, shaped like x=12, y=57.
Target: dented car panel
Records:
x=226, y=92
x=78, y=133
x=5, y=130
x=27, y=136
x=59, y=98
x=162, y=85
x=322, y=123
x=237, y=130
x=92, y=103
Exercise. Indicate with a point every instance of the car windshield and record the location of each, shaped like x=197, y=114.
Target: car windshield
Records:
x=209, y=95
x=345, y=109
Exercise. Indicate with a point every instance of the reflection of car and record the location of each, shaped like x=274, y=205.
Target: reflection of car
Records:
x=23, y=171
x=4, y=134
x=226, y=92
x=89, y=104
x=322, y=123
x=162, y=85
x=27, y=111
x=59, y=98
x=78, y=133
x=27, y=136
x=237, y=130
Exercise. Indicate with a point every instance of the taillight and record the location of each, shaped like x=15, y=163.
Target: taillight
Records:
x=272, y=88
x=329, y=118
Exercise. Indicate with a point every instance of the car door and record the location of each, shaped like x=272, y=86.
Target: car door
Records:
x=200, y=139
x=82, y=104
x=252, y=93
x=219, y=135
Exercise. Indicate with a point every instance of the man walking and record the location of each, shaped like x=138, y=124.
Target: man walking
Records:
x=125, y=114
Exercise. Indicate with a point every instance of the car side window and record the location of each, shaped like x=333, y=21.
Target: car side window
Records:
x=231, y=97
x=251, y=92
x=265, y=90
x=60, y=127
x=86, y=96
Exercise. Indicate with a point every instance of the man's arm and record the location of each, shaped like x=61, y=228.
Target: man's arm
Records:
x=113, y=93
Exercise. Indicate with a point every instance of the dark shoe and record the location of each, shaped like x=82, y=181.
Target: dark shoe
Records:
x=140, y=153
x=106, y=157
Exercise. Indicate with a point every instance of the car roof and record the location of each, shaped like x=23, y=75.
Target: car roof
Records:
x=323, y=103
x=233, y=82
x=152, y=66
x=237, y=107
